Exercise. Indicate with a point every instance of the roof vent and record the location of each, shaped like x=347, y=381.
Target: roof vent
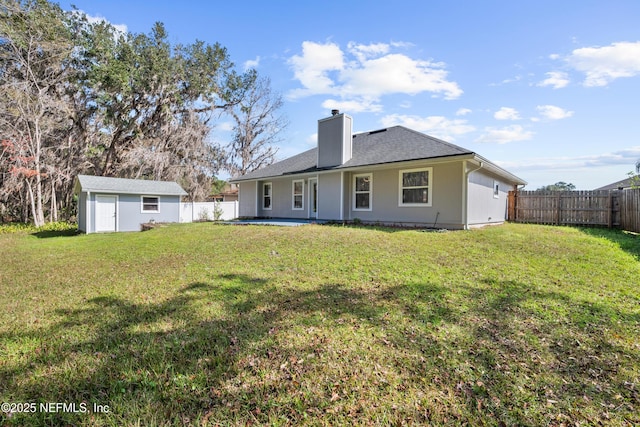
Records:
x=335, y=112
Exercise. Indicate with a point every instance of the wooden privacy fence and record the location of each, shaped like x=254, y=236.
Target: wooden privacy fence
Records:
x=619, y=208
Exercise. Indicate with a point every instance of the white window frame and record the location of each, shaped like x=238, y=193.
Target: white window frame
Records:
x=429, y=188
x=496, y=189
x=293, y=195
x=264, y=195
x=146, y=211
x=370, y=192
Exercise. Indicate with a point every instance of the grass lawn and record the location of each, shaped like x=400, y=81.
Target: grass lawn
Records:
x=203, y=324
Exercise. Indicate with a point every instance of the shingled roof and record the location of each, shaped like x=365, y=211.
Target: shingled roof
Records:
x=618, y=185
x=128, y=186
x=395, y=144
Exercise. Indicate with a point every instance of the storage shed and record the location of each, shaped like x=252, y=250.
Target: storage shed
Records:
x=118, y=204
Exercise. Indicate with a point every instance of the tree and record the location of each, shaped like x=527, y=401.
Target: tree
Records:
x=634, y=178
x=153, y=104
x=34, y=50
x=558, y=186
x=257, y=128
x=80, y=97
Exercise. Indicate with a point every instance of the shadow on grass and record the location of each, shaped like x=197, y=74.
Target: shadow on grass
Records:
x=384, y=227
x=628, y=242
x=56, y=233
x=565, y=347
x=239, y=349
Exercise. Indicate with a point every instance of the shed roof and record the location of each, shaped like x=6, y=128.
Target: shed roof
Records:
x=391, y=145
x=127, y=186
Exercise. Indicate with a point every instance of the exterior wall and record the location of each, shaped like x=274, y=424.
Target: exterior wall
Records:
x=329, y=193
x=129, y=211
x=130, y=215
x=248, y=199
x=483, y=208
x=282, y=198
x=82, y=212
x=446, y=197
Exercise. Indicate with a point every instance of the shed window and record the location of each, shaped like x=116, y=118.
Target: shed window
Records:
x=415, y=187
x=266, y=196
x=496, y=189
x=298, y=194
x=150, y=204
x=362, y=188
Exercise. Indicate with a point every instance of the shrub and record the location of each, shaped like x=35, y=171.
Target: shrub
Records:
x=20, y=227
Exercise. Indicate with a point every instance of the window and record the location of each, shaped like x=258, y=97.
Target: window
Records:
x=298, y=195
x=415, y=187
x=266, y=196
x=362, y=187
x=150, y=204
x=496, y=189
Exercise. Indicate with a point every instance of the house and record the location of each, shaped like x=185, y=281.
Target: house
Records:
x=228, y=194
x=624, y=184
x=392, y=176
x=117, y=204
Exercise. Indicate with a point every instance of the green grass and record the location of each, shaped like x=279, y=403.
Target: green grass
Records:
x=202, y=324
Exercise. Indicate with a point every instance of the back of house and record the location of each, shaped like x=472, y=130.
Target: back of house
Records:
x=391, y=176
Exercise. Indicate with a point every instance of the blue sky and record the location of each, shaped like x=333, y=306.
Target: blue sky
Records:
x=548, y=90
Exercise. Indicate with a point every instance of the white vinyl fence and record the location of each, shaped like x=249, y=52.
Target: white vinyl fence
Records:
x=208, y=211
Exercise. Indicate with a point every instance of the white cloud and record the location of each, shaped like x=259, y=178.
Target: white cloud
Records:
x=463, y=112
x=312, y=139
x=353, y=105
x=551, y=112
x=225, y=126
x=621, y=157
x=602, y=65
x=437, y=126
x=120, y=28
x=397, y=73
x=252, y=63
x=362, y=52
x=367, y=72
x=313, y=67
x=505, y=135
x=507, y=113
x=555, y=79
x=507, y=81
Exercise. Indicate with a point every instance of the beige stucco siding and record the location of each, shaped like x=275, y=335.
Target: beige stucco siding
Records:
x=483, y=206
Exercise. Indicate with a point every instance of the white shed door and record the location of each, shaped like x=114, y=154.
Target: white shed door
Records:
x=106, y=213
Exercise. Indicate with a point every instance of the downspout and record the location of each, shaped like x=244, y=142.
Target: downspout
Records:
x=465, y=198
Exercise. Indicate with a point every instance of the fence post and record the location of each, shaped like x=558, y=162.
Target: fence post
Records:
x=610, y=211
x=512, y=206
